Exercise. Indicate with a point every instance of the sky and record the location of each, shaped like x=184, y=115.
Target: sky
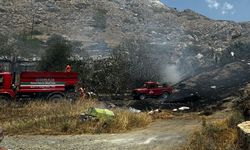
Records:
x=235, y=10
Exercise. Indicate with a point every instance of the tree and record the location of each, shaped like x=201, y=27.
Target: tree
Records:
x=7, y=51
x=57, y=54
x=6, y=47
x=129, y=65
x=133, y=62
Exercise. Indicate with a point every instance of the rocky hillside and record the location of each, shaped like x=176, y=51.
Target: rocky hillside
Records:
x=102, y=24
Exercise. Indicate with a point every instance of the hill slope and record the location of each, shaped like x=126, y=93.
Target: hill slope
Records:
x=103, y=24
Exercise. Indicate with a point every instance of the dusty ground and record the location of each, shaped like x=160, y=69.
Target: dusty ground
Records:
x=162, y=134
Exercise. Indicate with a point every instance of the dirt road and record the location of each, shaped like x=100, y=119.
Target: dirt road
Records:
x=163, y=134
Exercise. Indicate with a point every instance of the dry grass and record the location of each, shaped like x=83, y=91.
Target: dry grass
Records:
x=126, y=120
x=41, y=117
x=216, y=135
x=164, y=115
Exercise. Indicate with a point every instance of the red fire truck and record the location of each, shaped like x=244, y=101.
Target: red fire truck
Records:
x=44, y=85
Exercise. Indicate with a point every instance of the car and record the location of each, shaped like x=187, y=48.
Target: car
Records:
x=152, y=90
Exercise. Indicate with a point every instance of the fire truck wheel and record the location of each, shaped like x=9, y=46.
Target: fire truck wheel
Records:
x=142, y=97
x=56, y=97
x=4, y=100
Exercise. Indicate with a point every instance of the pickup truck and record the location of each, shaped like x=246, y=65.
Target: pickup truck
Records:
x=152, y=90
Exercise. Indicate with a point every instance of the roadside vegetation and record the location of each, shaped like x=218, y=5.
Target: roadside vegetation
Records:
x=222, y=134
x=50, y=118
x=217, y=134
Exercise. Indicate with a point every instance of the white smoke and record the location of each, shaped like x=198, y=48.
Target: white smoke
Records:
x=171, y=74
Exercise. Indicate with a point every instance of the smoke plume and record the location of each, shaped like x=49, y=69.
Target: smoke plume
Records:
x=171, y=74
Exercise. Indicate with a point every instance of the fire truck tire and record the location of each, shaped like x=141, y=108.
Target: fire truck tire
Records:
x=5, y=100
x=142, y=97
x=56, y=97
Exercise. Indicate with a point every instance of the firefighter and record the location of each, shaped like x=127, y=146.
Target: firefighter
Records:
x=82, y=92
x=68, y=68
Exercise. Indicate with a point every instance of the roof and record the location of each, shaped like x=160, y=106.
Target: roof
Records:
x=4, y=73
